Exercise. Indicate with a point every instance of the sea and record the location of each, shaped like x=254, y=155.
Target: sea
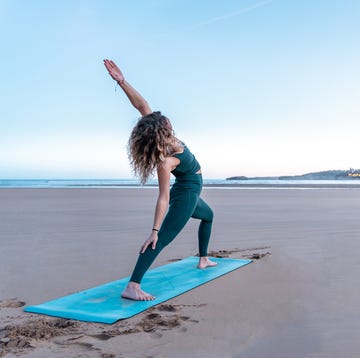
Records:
x=208, y=183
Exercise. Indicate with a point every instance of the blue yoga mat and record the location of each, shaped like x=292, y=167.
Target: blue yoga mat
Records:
x=104, y=304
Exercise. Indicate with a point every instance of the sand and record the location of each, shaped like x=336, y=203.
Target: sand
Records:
x=299, y=298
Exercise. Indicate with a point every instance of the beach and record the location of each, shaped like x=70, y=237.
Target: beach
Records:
x=298, y=298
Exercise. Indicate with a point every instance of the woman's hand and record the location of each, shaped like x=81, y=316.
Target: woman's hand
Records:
x=152, y=240
x=134, y=96
x=114, y=71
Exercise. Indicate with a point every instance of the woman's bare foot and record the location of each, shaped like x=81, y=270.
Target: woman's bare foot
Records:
x=134, y=292
x=205, y=262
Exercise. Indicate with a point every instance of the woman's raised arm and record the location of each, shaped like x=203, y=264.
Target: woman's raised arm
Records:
x=136, y=99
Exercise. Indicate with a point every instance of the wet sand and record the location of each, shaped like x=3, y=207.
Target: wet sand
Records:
x=299, y=298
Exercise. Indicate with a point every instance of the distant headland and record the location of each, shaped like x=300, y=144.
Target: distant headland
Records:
x=324, y=175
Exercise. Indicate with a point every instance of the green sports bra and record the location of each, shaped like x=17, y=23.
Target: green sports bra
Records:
x=188, y=163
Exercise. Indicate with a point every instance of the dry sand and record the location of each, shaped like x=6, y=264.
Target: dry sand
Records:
x=302, y=300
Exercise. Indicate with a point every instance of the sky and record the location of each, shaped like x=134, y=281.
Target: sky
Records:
x=253, y=87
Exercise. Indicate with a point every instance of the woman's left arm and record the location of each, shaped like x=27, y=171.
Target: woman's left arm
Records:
x=134, y=96
x=162, y=203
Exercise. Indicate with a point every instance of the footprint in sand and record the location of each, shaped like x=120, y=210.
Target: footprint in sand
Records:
x=248, y=253
x=101, y=336
x=167, y=308
x=12, y=303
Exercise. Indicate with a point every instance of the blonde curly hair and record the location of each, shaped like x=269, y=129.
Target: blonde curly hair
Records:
x=151, y=141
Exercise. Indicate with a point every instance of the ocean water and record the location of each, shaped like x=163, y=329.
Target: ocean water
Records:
x=211, y=183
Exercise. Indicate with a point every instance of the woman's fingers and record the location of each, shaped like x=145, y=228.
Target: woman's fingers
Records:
x=109, y=66
x=146, y=244
x=153, y=246
x=144, y=247
x=108, y=62
x=113, y=64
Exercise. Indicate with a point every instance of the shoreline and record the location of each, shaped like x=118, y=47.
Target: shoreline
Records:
x=208, y=186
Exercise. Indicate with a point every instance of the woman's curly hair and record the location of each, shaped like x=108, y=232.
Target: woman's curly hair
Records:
x=151, y=141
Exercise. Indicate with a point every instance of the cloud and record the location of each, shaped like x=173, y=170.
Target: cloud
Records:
x=232, y=14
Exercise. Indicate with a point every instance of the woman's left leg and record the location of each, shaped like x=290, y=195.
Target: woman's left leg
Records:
x=205, y=214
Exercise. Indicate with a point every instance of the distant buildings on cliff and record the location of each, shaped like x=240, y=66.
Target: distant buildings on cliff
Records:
x=353, y=173
x=324, y=175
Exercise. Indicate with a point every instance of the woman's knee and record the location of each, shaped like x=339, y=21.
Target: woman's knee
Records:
x=210, y=215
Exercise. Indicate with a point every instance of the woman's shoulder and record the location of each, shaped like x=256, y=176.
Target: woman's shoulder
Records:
x=169, y=162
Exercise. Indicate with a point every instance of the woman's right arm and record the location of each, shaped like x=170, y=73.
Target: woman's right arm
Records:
x=136, y=99
x=162, y=203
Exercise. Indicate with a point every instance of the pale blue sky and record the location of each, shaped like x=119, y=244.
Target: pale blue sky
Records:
x=268, y=87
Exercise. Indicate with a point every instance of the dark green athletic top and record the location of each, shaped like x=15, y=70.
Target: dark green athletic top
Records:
x=188, y=163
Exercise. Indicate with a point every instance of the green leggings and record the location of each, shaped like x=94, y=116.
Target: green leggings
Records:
x=185, y=203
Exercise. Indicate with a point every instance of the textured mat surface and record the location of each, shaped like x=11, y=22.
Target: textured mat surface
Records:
x=104, y=304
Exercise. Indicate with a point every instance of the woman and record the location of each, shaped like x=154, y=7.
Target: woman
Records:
x=153, y=147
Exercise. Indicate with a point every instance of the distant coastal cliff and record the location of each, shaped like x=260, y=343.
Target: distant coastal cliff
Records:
x=325, y=175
